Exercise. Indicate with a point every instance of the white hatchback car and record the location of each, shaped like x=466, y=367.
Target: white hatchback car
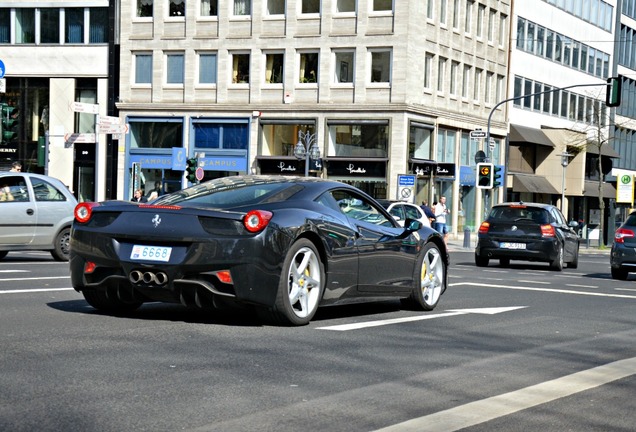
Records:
x=37, y=213
x=401, y=210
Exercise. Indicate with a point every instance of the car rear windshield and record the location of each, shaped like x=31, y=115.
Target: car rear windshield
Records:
x=230, y=196
x=518, y=214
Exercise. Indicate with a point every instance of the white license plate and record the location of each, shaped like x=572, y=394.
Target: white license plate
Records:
x=151, y=253
x=506, y=245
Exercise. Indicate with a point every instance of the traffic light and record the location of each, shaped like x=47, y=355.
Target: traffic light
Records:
x=613, y=91
x=191, y=169
x=484, y=175
x=497, y=176
x=9, y=122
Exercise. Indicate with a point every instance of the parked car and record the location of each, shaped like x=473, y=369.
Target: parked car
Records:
x=527, y=232
x=280, y=245
x=402, y=211
x=623, y=253
x=36, y=214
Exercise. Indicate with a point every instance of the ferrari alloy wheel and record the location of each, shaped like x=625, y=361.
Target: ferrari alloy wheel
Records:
x=301, y=285
x=431, y=282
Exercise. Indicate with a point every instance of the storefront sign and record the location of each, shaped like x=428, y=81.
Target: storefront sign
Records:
x=445, y=170
x=8, y=149
x=467, y=175
x=220, y=163
x=354, y=169
x=280, y=166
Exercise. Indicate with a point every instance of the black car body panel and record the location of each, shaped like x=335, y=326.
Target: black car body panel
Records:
x=527, y=232
x=361, y=258
x=623, y=252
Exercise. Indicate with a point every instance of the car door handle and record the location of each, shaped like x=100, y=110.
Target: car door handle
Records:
x=30, y=212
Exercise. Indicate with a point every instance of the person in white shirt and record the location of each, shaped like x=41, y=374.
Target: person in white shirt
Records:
x=440, y=218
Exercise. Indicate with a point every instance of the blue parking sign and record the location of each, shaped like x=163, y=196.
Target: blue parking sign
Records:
x=1, y=69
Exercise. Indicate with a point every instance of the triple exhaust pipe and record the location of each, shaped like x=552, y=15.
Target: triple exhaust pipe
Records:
x=148, y=277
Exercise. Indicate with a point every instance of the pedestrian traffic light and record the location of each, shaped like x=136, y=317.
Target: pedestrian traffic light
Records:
x=497, y=176
x=613, y=91
x=191, y=169
x=484, y=175
x=9, y=122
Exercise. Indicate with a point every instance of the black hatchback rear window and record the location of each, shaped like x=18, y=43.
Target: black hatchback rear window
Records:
x=518, y=214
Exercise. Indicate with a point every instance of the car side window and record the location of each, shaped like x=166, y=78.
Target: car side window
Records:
x=397, y=211
x=45, y=191
x=359, y=208
x=412, y=212
x=13, y=188
x=558, y=217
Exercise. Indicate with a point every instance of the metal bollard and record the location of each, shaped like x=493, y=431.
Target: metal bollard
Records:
x=467, y=238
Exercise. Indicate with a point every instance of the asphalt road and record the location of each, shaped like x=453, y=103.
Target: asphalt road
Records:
x=507, y=349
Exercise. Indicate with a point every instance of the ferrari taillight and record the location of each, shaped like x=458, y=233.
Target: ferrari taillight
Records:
x=621, y=233
x=257, y=220
x=547, y=231
x=483, y=228
x=84, y=211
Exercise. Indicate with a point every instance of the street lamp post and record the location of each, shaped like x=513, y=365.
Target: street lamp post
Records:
x=564, y=163
x=306, y=148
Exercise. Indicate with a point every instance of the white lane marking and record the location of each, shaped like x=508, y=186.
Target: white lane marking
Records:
x=583, y=293
x=367, y=324
x=581, y=286
x=534, y=282
x=22, y=291
x=484, y=410
x=625, y=289
x=12, y=263
x=35, y=278
x=14, y=271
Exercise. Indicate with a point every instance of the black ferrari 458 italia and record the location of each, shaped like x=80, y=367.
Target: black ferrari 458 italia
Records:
x=282, y=245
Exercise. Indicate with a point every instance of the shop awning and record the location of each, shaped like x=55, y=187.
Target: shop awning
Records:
x=532, y=183
x=606, y=150
x=526, y=134
x=591, y=189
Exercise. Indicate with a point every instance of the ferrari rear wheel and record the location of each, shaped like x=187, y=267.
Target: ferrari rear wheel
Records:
x=301, y=284
x=431, y=282
x=109, y=302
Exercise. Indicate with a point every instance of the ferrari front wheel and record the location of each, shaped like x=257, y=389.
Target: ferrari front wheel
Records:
x=301, y=284
x=431, y=280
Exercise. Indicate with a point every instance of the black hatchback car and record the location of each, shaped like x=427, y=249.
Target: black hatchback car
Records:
x=623, y=254
x=527, y=232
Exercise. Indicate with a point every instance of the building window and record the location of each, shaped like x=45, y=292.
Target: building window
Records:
x=50, y=26
x=502, y=30
x=274, y=68
x=143, y=69
x=310, y=6
x=492, y=15
x=144, y=8
x=466, y=80
x=207, y=68
x=477, y=86
x=156, y=134
x=275, y=7
x=481, y=12
x=468, y=24
x=74, y=19
x=441, y=74
x=344, y=67
x=177, y=8
x=308, y=69
x=429, y=9
x=419, y=141
x=445, y=145
x=343, y=6
x=442, y=12
x=174, y=68
x=209, y=8
x=98, y=25
x=240, y=68
x=381, y=66
x=488, y=89
x=279, y=139
x=368, y=139
x=233, y=136
x=453, y=78
x=24, y=26
x=5, y=25
x=428, y=70
x=382, y=5
x=242, y=7
x=456, y=14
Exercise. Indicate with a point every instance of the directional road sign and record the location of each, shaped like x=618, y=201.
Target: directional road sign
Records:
x=83, y=107
x=113, y=128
